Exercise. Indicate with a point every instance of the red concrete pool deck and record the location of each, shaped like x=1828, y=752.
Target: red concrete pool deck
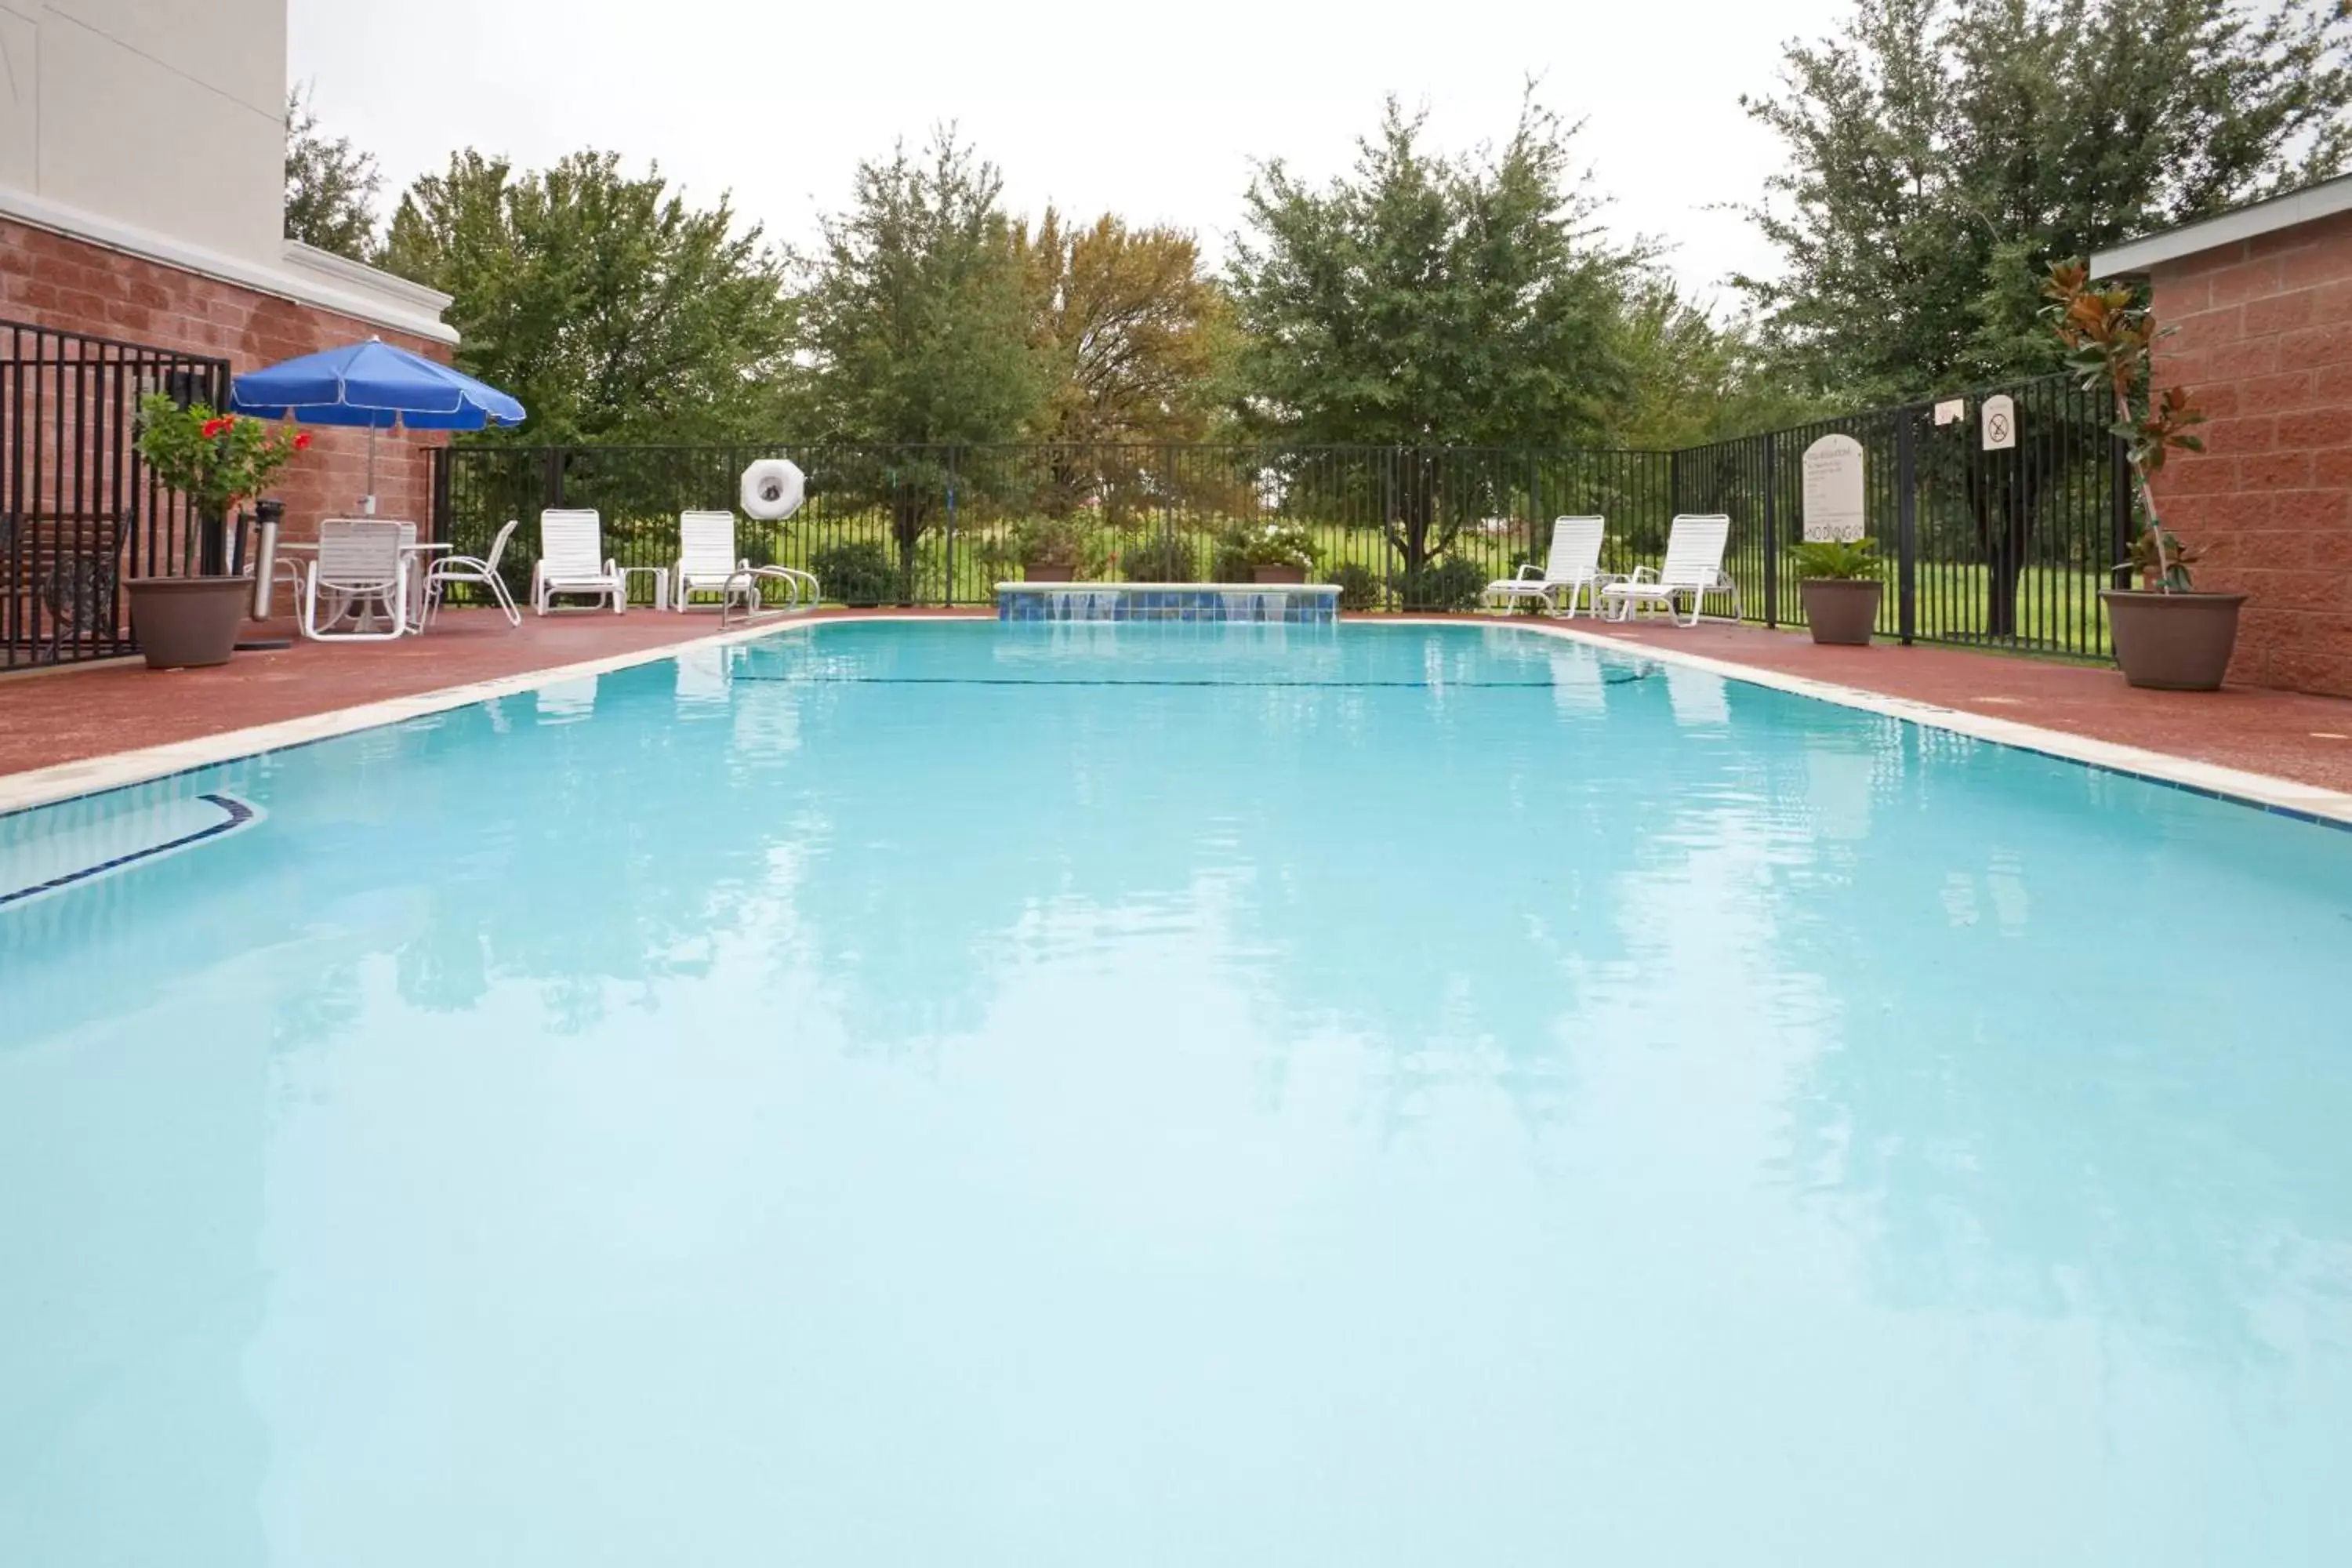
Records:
x=72, y=715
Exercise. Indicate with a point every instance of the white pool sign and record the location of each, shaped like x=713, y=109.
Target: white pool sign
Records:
x=1833, y=489
x=2000, y=423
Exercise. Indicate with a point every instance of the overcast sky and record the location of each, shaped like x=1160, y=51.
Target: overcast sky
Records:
x=1153, y=111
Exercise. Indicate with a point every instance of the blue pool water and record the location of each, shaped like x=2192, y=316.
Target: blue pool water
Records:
x=921, y=1094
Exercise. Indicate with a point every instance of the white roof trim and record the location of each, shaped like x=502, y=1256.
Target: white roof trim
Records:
x=372, y=297
x=366, y=276
x=2314, y=202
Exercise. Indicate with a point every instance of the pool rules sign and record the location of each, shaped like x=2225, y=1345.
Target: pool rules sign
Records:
x=1834, y=489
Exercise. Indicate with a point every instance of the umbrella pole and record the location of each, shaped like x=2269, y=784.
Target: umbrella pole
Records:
x=367, y=506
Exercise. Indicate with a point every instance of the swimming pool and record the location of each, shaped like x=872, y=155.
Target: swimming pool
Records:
x=920, y=1093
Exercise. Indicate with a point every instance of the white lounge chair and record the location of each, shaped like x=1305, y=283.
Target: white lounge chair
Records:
x=1694, y=566
x=359, y=571
x=1573, y=565
x=571, y=559
x=707, y=562
x=482, y=570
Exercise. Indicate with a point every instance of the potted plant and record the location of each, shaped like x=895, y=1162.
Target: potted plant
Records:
x=1050, y=549
x=1279, y=553
x=2166, y=636
x=217, y=460
x=1838, y=580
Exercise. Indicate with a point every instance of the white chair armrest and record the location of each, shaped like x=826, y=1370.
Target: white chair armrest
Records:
x=1642, y=574
x=1528, y=571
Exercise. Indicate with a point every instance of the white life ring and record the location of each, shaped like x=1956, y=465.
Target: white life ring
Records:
x=774, y=490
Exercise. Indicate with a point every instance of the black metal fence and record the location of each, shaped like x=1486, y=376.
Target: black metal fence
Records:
x=78, y=512
x=2004, y=548
x=1993, y=547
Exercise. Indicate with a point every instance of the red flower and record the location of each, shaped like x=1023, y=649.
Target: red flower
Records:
x=301, y=440
x=215, y=427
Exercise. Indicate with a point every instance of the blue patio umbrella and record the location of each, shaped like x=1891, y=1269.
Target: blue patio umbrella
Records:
x=376, y=385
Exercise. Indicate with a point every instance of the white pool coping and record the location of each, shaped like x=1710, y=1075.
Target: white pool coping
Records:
x=88, y=775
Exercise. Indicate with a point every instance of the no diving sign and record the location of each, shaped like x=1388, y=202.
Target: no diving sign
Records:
x=2000, y=423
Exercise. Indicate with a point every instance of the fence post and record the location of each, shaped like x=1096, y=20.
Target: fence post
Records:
x=550, y=477
x=2120, y=509
x=1771, y=533
x=1535, y=510
x=946, y=554
x=438, y=458
x=1907, y=524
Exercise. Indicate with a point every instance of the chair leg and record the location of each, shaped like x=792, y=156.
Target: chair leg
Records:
x=506, y=600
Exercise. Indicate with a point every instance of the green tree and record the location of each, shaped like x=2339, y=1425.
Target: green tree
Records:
x=1943, y=152
x=1691, y=379
x=330, y=185
x=916, y=318
x=614, y=309
x=1425, y=299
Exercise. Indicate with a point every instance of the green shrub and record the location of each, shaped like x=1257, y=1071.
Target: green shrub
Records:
x=1360, y=586
x=1277, y=543
x=1162, y=558
x=1838, y=560
x=1443, y=585
x=1056, y=539
x=861, y=573
x=1231, y=562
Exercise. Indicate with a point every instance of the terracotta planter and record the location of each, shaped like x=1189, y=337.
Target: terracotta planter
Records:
x=1841, y=610
x=186, y=622
x=2173, y=642
x=1051, y=569
x=1278, y=574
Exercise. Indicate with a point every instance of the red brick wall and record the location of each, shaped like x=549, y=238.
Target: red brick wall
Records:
x=50, y=281
x=2265, y=345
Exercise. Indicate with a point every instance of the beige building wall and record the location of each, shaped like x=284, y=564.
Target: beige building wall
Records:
x=158, y=127
x=166, y=114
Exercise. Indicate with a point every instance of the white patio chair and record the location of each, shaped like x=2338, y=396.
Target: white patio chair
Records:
x=1694, y=566
x=707, y=562
x=1573, y=564
x=571, y=559
x=359, y=571
x=481, y=571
